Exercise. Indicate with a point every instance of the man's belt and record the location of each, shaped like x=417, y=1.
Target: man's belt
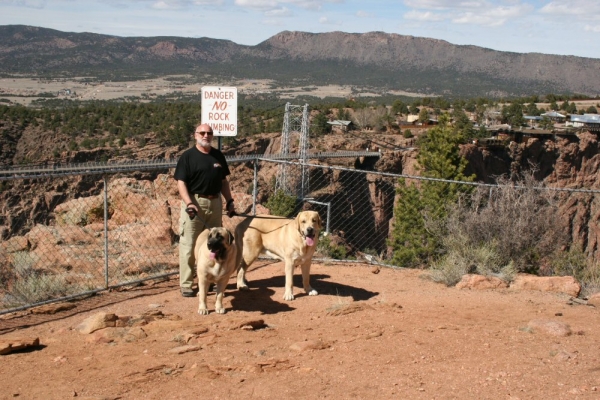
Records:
x=209, y=196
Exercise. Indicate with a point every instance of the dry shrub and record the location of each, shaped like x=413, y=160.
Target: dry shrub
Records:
x=575, y=263
x=462, y=257
x=513, y=227
x=590, y=280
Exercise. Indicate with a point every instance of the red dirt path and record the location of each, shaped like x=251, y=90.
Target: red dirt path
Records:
x=387, y=335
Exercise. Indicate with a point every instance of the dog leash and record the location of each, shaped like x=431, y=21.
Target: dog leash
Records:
x=258, y=216
x=192, y=213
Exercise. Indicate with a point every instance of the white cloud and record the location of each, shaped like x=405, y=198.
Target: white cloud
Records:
x=327, y=21
x=590, y=28
x=263, y=5
x=444, y=4
x=25, y=3
x=209, y=2
x=476, y=12
x=272, y=22
x=571, y=7
x=426, y=16
x=478, y=19
x=364, y=14
x=166, y=5
x=257, y=4
x=279, y=12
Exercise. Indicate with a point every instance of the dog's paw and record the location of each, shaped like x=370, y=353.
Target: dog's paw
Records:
x=220, y=310
x=288, y=296
x=243, y=287
x=203, y=311
x=312, y=292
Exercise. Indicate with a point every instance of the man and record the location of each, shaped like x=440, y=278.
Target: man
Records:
x=201, y=175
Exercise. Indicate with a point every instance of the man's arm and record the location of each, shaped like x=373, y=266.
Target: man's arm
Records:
x=184, y=193
x=226, y=192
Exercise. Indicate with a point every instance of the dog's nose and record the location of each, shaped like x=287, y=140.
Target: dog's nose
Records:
x=310, y=231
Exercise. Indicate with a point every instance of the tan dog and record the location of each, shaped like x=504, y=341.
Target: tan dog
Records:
x=216, y=259
x=292, y=240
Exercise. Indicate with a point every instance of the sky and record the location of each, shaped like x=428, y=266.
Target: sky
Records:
x=563, y=27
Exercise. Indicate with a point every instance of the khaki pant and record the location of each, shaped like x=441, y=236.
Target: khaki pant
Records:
x=209, y=216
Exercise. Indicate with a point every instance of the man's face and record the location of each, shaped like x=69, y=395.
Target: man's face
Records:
x=204, y=136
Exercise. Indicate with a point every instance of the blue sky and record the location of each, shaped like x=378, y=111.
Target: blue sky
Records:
x=566, y=27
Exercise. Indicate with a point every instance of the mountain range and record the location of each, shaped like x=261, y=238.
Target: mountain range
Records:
x=377, y=60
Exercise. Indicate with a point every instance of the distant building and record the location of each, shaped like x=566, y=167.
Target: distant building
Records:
x=555, y=116
x=533, y=120
x=588, y=121
x=340, y=124
x=412, y=118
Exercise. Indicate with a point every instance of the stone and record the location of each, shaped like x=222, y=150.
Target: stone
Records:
x=594, y=300
x=254, y=323
x=558, y=284
x=53, y=308
x=14, y=244
x=309, y=345
x=553, y=328
x=480, y=282
x=184, y=349
x=98, y=321
x=8, y=346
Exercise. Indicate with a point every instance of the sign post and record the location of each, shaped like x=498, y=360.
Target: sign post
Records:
x=219, y=110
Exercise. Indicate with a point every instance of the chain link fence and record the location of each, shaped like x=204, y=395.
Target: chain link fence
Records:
x=88, y=233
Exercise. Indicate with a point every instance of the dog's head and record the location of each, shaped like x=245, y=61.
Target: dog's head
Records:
x=219, y=240
x=309, y=226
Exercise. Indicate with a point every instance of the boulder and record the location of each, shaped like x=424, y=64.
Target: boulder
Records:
x=96, y=322
x=480, y=282
x=558, y=284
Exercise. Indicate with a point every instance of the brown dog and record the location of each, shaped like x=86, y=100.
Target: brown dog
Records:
x=216, y=259
x=292, y=240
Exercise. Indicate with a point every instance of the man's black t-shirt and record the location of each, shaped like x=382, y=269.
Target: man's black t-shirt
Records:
x=202, y=173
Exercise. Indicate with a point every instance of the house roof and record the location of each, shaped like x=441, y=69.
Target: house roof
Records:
x=586, y=118
x=339, y=122
x=554, y=114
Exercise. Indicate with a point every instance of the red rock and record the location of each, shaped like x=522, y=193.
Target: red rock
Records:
x=480, y=282
x=558, y=284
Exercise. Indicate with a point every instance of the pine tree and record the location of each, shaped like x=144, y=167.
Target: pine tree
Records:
x=418, y=202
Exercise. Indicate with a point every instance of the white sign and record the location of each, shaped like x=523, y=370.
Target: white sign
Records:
x=219, y=109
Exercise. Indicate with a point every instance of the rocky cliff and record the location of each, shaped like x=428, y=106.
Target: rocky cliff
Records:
x=565, y=162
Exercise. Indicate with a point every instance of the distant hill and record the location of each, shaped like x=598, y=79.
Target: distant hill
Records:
x=375, y=59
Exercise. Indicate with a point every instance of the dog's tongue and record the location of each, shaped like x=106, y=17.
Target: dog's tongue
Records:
x=309, y=241
x=212, y=255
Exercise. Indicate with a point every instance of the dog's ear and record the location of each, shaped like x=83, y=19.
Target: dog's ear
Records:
x=230, y=237
x=319, y=221
x=298, y=227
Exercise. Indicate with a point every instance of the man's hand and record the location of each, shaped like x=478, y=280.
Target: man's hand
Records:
x=191, y=210
x=230, y=207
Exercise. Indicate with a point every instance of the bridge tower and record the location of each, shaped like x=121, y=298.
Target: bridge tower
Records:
x=289, y=179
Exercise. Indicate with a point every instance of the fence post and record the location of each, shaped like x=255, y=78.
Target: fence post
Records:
x=105, y=232
x=255, y=186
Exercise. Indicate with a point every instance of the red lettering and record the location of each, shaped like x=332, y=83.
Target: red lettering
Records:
x=218, y=95
x=220, y=105
x=218, y=116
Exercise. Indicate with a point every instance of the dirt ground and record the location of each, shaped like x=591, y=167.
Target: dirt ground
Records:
x=391, y=334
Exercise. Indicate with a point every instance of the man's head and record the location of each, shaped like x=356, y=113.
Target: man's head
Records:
x=203, y=135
